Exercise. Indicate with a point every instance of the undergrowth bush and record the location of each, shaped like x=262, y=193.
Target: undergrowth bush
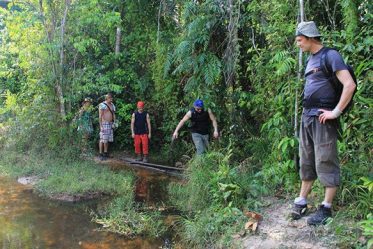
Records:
x=213, y=199
x=122, y=216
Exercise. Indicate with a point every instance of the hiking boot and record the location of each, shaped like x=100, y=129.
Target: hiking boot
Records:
x=298, y=211
x=320, y=217
x=101, y=157
x=145, y=160
x=138, y=158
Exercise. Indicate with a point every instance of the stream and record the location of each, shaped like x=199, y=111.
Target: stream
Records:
x=28, y=221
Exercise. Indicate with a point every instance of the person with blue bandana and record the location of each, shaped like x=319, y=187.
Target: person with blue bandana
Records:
x=200, y=128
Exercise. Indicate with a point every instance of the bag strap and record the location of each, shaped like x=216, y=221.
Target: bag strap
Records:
x=324, y=62
x=328, y=71
x=112, y=113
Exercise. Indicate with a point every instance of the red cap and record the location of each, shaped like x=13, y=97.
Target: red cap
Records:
x=140, y=104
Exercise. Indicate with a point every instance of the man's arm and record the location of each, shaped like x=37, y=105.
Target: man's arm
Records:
x=214, y=123
x=349, y=86
x=149, y=126
x=133, y=125
x=187, y=116
x=100, y=114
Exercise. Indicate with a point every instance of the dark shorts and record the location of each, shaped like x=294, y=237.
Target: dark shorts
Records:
x=318, y=151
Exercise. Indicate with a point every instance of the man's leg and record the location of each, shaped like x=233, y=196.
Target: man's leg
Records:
x=307, y=168
x=327, y=167
x=300, y=203
x=103, y=139
x=103, y=149
x=330, y=193
x=100, y=147
x=305, y=189
x=109, y=138
x=145, y=147
x=198, y=142
x=137, y=144
x=205, y=139
x=325, y=209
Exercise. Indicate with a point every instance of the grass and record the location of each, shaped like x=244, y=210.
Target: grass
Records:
x=121, y=217
x=65, y=176
x=212, y=201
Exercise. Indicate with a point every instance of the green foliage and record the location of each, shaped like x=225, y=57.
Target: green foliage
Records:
x=212, y=228
x=213, y=199
x=196, y=59
x=172, y=52
x=120, y=216
x=367, y=226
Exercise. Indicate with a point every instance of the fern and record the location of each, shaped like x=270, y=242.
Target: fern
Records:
x=283, y=63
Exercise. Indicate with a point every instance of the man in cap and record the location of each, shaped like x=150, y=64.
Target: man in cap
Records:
x=319, y=125
x=106, y=120
x=141, y=132
x=200, y=128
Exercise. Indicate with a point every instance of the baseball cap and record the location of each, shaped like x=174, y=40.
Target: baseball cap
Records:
x=198, y=103
x=140, y=104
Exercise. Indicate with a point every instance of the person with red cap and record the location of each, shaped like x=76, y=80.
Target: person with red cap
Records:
x=141, y=132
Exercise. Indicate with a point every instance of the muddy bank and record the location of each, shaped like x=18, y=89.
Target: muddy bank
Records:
x=31, y=181
x=150, y=185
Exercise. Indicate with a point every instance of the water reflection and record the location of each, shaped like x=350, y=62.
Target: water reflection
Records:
x=150, y=185
x=27, y=221
x=151, y=188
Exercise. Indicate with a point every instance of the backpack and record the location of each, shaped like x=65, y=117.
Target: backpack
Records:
x=326, y=68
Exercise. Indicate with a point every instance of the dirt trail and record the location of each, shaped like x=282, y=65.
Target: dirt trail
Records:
x=277, y=231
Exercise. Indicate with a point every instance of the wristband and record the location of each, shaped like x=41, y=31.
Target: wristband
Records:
x=336, y=112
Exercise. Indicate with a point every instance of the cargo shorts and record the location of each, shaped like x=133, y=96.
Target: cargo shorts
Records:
x=318, y=151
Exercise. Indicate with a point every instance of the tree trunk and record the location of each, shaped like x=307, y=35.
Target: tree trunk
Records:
x=117, y=41
x=230, y=58
x=350, y=19
x=49, y=37
x=159, y=21
x=59, y=83
x=50, y=34
x=232, y=51
x=299, y=76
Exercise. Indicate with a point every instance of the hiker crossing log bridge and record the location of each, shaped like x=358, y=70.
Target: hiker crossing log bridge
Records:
x=157, y=167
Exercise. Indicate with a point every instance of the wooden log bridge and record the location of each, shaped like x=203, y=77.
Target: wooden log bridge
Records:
x=157, y=167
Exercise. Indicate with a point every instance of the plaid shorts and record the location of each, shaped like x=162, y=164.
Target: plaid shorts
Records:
x=106, y=133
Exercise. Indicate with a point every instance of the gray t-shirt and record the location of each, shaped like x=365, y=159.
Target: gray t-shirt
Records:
x=317, y=85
